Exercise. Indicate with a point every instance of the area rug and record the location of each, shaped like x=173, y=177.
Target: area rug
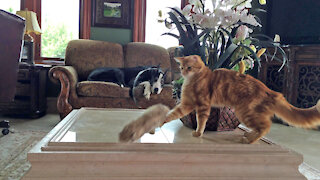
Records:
x=13, y=154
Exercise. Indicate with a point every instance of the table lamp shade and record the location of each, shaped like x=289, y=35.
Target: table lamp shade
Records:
x=31, y=21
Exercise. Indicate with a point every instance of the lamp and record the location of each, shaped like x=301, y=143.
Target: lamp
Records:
x=32, y=26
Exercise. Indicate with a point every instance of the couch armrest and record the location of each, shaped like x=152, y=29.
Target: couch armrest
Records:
x=69, y=71
x=68, y=78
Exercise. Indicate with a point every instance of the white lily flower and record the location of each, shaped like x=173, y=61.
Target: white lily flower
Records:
x=214, y=4
x=197, y=5
x=242, y=32
x=227, y=17
x=276, y=38
x=186, y=10
x=227, y=4
x=243, y=4
x=206, y=21
x=248, y=18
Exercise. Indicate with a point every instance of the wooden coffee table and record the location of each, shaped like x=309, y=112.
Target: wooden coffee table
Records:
x=85, y=145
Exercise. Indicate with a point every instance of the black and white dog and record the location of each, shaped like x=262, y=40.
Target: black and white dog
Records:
x=121, y=76
x=151, y=77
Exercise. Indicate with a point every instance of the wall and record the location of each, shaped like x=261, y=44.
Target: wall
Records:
x=116, y=35
x=122, y=36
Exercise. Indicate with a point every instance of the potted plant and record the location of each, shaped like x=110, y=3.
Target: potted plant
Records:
x=223, y=35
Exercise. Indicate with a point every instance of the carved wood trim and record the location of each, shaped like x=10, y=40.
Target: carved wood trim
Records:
x=63, y=104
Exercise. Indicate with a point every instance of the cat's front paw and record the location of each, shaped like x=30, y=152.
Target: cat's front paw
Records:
x=196, y=134
x=153, y=131
x=245, y=140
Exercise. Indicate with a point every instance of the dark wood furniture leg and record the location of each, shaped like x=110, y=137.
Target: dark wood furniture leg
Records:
x=63, y=105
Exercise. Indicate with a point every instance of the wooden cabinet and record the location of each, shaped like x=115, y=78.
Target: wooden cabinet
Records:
x=300, y=80
x=30, y=97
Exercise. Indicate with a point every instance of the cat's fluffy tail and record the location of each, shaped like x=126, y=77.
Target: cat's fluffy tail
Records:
x=306, y=118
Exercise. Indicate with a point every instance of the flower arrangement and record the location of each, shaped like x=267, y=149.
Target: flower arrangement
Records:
x=223, y=34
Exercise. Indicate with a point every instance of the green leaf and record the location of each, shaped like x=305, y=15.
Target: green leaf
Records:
x=223, y=42
x=247, y=42
x=253, y=53
x=186, y=23
x=257, y=10
x=175, y=20
x=171, y=34
x=229, y=51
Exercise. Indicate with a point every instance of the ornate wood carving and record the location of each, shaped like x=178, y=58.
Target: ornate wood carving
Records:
x=63, y=104
x=300, y=81
x=275, y=79
x=308, y=86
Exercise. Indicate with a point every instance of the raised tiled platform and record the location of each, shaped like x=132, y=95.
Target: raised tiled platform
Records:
x=85, y=146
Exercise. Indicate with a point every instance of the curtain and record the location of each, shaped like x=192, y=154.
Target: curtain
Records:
x=139, y=24
x=183, y=3
x=85, y=19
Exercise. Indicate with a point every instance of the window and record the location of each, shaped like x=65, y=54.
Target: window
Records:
x=154, y=29
x=59, y=25
x=10, y=5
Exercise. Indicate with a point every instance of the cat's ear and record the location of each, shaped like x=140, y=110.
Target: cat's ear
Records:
x=195, y=57
x=179, y=59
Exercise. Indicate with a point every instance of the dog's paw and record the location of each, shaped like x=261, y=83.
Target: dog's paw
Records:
x=147, y=94
x=196, y=134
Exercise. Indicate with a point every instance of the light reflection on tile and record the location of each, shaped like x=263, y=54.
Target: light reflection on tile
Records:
x=70, y=136
x=157, y=137
x=182, y=134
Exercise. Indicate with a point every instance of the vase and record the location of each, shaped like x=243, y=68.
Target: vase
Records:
x=220, y=119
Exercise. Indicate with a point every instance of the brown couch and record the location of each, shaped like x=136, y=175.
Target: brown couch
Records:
x=83, y=56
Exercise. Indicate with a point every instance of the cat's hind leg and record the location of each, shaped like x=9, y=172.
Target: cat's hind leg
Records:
x=260, y=125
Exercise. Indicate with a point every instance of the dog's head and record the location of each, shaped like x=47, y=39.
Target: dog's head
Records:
x=157, y=80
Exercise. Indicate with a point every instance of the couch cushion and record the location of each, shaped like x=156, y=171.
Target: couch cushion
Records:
x=143, y=54
x=86, y=55
x=101, y=89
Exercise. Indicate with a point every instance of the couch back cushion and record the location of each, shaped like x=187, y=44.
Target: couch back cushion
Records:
x=86, y=55
x=144, y=54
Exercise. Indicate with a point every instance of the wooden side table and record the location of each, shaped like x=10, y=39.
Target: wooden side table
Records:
x=30, y=98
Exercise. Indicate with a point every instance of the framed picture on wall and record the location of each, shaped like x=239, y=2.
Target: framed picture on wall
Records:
x=111, y=13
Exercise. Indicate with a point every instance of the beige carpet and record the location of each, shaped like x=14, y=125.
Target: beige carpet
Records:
x=13, y=153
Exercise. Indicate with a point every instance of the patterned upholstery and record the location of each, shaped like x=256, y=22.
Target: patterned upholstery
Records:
x=144, y=54
x=83, y=56
x=101, y=89
x=87, y=55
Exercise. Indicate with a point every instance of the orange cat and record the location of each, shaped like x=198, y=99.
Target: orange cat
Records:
x=253, y=102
